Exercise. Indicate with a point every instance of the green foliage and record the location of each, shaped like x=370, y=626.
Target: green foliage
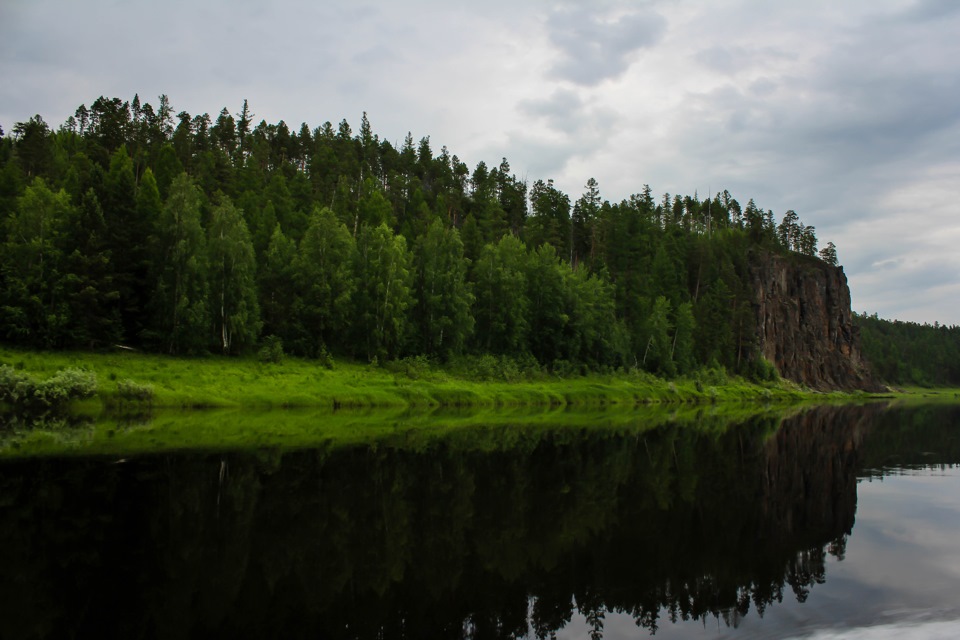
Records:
x=235, y=309
x=384, y=291
x=412, y=367
x=130, y=391
x=908, y=353
x=187, y=235
x=24, y=393
x=32, y=299
x=500, y=283
x=15, y=386
x=762, y=370
x=444, y=297
x=271, y=350
x=280, y=300
x=490, y=368
x=326, y=279
x=181, y=315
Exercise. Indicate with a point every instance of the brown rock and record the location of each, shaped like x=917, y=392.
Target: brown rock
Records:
x=805, y=325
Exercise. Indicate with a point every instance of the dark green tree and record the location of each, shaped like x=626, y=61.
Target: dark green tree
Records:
x=444, y=299
x=34, y=309
x=500, y=286
x=89, y=289
x=232, y=268
x=384, y=292
x=180, y=317
x=327, y=281
x=281, y=305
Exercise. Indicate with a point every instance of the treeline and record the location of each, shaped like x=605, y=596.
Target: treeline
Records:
x=186, y=234
x=910, y=353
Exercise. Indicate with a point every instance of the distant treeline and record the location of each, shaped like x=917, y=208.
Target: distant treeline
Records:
x=910, y=353
x=189, y=234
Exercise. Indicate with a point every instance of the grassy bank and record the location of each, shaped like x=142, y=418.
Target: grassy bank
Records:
x=219, y=382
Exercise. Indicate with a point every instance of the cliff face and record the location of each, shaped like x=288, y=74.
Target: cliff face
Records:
x=805, y=325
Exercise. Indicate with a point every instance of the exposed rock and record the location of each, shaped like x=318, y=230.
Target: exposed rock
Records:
x=805, y=325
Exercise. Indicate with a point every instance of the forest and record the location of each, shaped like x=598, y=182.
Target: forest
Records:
x=910, y=353
x=136, y=226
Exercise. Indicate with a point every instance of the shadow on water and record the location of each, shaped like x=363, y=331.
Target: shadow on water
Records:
x=481, y=532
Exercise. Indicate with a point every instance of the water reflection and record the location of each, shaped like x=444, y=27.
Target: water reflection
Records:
x=445, y=537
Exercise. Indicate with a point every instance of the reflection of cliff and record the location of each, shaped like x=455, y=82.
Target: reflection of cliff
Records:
x=443, y=540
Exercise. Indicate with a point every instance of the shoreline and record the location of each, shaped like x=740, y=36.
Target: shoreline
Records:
x=218, y=382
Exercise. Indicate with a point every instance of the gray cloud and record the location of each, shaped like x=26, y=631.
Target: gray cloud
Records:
x=594, y=48
x=846, y=115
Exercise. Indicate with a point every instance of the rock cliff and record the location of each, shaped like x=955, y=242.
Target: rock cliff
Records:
x=804, y=323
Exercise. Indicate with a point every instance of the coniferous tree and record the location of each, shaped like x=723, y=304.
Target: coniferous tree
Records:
x=128, y=229
x=549, y=305
x=829, y=254
x=658, y=352
x=89, y=288
x=281, y=305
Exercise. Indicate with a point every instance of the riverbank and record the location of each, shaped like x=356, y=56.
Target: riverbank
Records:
x=220, y=382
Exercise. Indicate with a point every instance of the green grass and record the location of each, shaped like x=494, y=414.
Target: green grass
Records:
x=220, y=382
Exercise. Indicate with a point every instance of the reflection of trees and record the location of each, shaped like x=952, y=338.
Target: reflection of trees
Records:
x=921, y=436
x=441, y=539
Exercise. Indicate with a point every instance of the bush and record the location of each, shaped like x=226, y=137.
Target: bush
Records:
x=23, y=392
x=326, y=360
x=414, y=367
x=64, y=386
x=271, y=351
x=14, y=386
x=711, y=376
x=134, y=391
x=488, y=368
x=762, y=370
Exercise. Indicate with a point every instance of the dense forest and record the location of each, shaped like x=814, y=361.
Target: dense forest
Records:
x=911, y=353
x=134, y=225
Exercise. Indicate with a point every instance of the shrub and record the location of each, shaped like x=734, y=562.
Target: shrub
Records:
x=326, y=360
x=66, y=385
x=762, y=370
x=711, y=376
x=414, y=367
x=134, y=391
x=272, y=350
x=21, y=391
x=14, y=386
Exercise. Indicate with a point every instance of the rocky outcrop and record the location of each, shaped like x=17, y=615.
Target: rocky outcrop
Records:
x=805, y=325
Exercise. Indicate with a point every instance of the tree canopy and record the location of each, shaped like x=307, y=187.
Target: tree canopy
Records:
x=133, y=224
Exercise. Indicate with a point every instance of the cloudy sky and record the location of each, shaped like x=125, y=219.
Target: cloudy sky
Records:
x=846, y=111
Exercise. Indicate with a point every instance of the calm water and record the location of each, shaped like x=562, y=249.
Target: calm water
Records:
x=832, y=523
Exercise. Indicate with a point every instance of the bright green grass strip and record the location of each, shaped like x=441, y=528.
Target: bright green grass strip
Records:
x=221, y=382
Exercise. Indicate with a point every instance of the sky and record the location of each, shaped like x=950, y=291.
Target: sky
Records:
x=847, y=112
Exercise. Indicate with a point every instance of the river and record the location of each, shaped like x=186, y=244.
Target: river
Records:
x=831, y=522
